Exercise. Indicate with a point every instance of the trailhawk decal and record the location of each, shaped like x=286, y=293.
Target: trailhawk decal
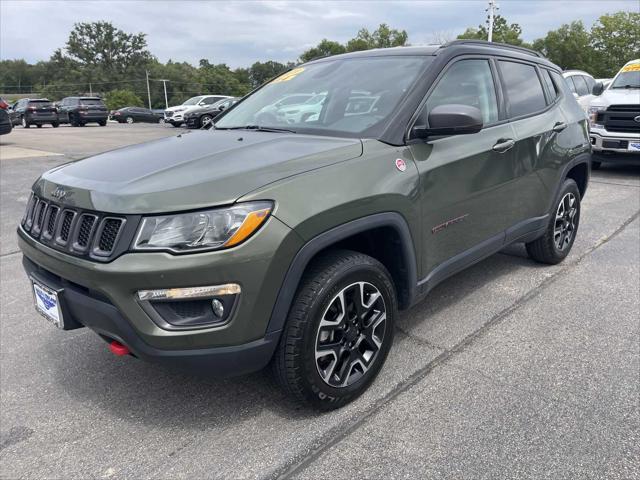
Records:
x=442, y=226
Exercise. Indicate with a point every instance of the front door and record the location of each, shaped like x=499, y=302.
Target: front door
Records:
x=467, y=182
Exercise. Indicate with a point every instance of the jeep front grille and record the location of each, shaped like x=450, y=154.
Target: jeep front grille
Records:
x=78, y=232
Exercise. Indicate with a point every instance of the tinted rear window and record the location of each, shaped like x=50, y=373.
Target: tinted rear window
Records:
x=523, y=88
x=91, y=101
x=40, y=103
x=551, y=87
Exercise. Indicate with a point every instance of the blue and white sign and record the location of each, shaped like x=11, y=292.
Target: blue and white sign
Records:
x=47, y=304
x=634, y=146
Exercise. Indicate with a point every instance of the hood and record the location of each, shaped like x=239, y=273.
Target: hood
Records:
x=192, y=170
x=617, y=96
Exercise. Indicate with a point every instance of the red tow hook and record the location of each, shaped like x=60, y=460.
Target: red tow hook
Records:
x=118, y=349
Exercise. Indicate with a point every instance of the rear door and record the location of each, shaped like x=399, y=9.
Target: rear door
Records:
x=42, y=108
x=467, y=182
x=537, y=120
x=63, y=110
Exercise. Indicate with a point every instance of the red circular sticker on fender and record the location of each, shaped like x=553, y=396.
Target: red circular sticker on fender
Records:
x=400, y=165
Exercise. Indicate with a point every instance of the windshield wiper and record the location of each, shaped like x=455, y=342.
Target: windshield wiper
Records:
x=626, y=86
x=258, y=128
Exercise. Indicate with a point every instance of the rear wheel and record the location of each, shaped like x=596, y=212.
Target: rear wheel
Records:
x=205, y=120
x=55, y=124
x=338, y=332
x=102, y=123
x=561, y=231
x=39, y=125
x=129, y=120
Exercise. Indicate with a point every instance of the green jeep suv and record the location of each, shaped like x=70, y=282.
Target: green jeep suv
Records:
x=294, y=244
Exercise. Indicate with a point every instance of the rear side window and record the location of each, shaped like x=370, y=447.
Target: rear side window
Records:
x=551, y=87
x=467, y=82
x=523, y=88
x=581, y=85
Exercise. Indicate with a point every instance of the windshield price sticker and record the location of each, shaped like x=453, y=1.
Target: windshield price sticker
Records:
x=634, y=67
x=289, y=75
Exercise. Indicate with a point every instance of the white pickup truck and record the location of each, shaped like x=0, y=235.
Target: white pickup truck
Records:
x=614, y=117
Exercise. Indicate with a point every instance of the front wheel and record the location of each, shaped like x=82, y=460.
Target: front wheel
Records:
x=561, y=231
x=339, y=330
x=205, y=120
x=129, y=120
x=24, y=122
x=55, y=124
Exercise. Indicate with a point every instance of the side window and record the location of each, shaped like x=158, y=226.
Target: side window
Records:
x=581, y=85
x=467, y=82
x=523, y=88
x=551, y=88
x=590, y=82
x=209, y=101
x=572, y=86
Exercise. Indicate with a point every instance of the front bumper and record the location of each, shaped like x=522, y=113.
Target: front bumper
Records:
x=603, y=141
x=103, y=296
x=84, y=308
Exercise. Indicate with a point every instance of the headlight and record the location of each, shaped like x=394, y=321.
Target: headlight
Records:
x=592, y=114
x=202, y=230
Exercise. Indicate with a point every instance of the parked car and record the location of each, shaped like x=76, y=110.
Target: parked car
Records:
x=303, y=111
x=614, y=117
x=204, y=116
x=268, y=113
x=3, y=104
x=580, y=83
x=34, y=111
x=295, y=244
x=78, y=111
x=5, y=122
x=136, y=115
x=175, y=115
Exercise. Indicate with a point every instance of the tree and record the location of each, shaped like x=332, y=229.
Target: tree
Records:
x=323, y=49
x=116, y=99
x=616, y=40
x=260, y=72
x=502, y=32
x=569, y=47
x=382, y=37
x=102, y=46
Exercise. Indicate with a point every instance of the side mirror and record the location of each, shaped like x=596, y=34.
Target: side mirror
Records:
x=222, y=107
x=598, y=88
x=450, y=119
x=575, y=95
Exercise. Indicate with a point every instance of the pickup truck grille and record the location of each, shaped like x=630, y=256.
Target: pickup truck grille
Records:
x=82, y=233
x=620, y=118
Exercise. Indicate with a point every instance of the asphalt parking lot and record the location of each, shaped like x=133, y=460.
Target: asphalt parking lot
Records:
x=509, y=369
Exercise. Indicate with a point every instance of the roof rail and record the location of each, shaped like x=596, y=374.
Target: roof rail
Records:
x=485, y=43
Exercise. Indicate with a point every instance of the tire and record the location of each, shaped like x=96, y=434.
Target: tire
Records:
x=24, y=122
x=330, y=381
x=73, y=120
x=39, y=125
x=595, y=165
x=175, y=124
x=204, y=121
x=556, y=243
x=102, y=123
x=55, y=124
x=129, y=120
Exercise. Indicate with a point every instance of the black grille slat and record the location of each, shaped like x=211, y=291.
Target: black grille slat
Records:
x=52, y=216
x=109, y=234
x=85, y=229
x=65, y=226
x=27, y=221
x=38, y=217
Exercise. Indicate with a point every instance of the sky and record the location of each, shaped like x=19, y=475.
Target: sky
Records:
x=239, y=33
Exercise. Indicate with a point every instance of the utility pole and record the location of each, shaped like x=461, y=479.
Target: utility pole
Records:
x=493, y=7
x=90, y=90
x=148, y=91
x=164, y=82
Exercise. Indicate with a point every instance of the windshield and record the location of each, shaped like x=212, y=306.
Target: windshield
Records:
x=193, y=100
x=351, y=97
x=627, y=80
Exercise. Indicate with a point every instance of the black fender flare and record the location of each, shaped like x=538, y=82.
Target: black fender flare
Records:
x=581, y=158
x=292, y=278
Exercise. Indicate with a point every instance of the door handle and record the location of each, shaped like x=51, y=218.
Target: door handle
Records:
x=503, y=145
x=558, y=127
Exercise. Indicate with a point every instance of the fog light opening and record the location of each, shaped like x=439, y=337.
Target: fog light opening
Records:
x=218, y=308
